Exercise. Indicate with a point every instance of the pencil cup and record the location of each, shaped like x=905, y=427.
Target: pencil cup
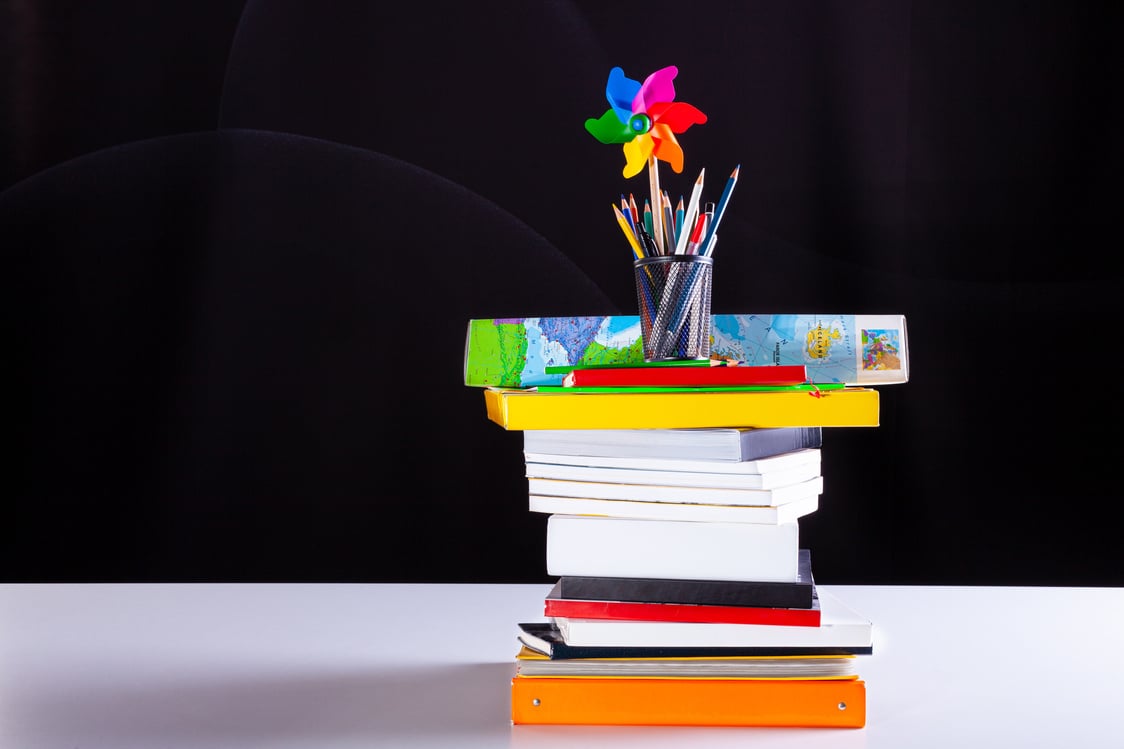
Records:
x=674, y=296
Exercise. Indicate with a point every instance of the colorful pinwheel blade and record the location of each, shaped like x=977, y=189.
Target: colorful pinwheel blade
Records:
x=658, y=87
x=636, y=153
x=677, y=115
x=609, y=129
x=666, y=147
x=621, y=92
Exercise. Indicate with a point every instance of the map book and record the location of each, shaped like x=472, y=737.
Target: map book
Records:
x=737, y=445
x=770, y=479
x=576, y=608
x=522, y=409
x=686, y=376
x=838, y=703
x=809, y=456
x=675, y=549
x=760, y=593
x=546, y=638
x=834, y=348
x=840, y=626
x=531, y=663
x=789, y=512
x=702, y=495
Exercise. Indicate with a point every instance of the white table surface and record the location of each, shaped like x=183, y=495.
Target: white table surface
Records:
x=178, y=666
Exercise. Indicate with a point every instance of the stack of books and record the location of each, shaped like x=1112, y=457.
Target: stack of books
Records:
x=674, y=495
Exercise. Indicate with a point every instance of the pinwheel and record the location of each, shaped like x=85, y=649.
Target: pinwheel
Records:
x=644, y=118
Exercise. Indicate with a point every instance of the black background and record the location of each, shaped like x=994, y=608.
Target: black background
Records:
x=243, y=239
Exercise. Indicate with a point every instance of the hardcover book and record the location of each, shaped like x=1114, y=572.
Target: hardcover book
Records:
x=840, y=626
x=685, y=376
x=851, y=349
x=839, y=703
x=730, y=444
x=702, y=495
x=798, y=594
x=674, y=549
x=555, y=605
x=789, y=512
x=530, y=409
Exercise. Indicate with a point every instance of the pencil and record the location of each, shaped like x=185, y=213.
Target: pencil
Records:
x=680, y=215
x=628, y=233
x=657, y=213
x=692, y=213
x=720, y=211
x=668, y=222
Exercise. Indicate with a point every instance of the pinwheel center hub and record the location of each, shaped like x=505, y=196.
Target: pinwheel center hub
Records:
x=639, y=123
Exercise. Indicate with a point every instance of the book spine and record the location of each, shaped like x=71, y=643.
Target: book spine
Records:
x=673, y=612
x=688, y=702
x=678, y=550
x=518, y=410
x=686, y=376
x=727, y=445
x=850, y=349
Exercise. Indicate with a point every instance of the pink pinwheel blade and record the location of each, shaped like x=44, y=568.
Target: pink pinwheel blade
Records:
x=657, y=87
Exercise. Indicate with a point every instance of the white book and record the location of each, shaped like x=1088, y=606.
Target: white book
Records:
x=586, y=545
x=840, y=626
x=719, y=443
x=784, y=461
x=622, y=508
x=771, y=480
x=677, y=494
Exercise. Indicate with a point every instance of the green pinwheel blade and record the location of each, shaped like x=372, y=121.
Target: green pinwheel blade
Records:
x=609, y=129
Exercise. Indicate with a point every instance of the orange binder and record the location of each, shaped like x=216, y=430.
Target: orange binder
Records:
x=837, y=703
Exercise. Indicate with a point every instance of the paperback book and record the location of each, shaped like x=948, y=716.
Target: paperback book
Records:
x=556, y=605
x=770, y=479
x=786, y=461
x=798, y=594
x=532, y=664
x=789, y=512
x=674, y=549
x=711, y=445
x=704, y=495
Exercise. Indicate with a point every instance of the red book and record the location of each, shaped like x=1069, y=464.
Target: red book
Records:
x=688, y=376
x=555, y=605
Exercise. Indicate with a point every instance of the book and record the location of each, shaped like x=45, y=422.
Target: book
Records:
x=703, y=495
x=771, y=479
x=788, y=512
x=840, y=626
x=837, y=703
x=546, y=638
x=533, y=664
x=729, y=444
x=555, y=605
x=799, y=594
x=675, y=549
x=686, y=376
x=522, y=409
x=809, y=456
x=851, y=349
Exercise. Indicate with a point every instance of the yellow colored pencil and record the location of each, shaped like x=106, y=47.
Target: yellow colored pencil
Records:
x=628, y=234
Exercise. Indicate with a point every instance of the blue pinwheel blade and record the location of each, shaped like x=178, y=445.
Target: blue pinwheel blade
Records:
x=621, y=91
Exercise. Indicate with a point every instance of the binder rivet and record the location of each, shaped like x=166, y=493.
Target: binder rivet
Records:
x=536, y=702
x=842, y=705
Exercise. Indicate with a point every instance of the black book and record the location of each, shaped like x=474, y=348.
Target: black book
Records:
x=545, y=638
x=794, y=595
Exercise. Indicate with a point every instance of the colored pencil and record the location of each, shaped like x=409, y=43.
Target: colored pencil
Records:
x=692, y=212
x=720, y=211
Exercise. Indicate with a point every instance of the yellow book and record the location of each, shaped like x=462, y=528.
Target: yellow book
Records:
x=519, y=409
